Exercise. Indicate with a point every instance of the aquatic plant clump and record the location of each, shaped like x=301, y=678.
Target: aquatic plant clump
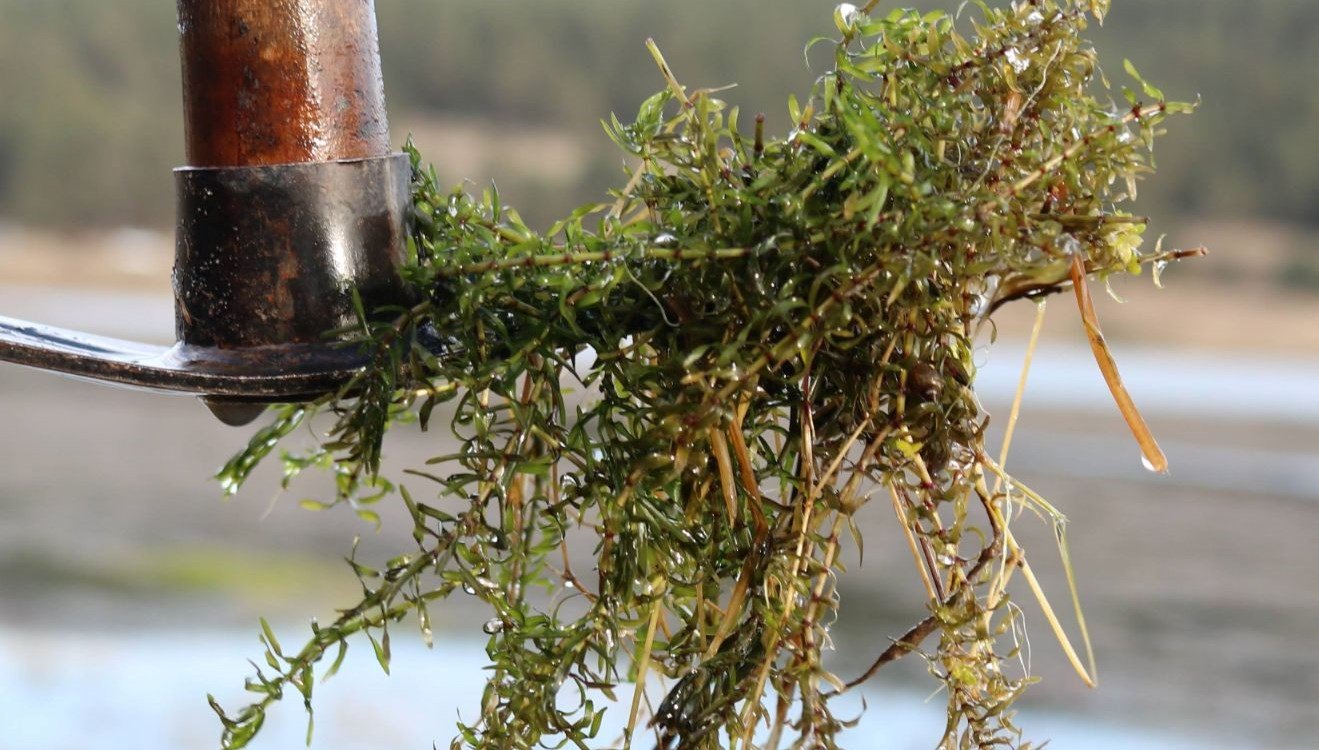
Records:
x=706, y=379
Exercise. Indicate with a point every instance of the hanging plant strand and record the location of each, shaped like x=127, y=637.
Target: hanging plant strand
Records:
x=708, y=377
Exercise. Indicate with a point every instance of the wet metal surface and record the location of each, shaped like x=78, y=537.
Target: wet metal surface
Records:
x=268, y=258
x=270, y=255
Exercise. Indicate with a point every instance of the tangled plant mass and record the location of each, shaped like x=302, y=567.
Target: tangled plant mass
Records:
x=708, y=377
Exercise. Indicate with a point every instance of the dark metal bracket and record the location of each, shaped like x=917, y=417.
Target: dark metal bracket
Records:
x=293, y=204
x=236, y=384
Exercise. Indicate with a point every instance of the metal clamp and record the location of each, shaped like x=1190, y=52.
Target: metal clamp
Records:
x=268, y=259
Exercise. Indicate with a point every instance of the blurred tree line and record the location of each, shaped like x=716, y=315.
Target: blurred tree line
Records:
x=89, y=90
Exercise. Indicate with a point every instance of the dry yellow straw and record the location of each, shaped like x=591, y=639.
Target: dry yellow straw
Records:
x=643, y=666
x=1155, y=460
x=1014, y=553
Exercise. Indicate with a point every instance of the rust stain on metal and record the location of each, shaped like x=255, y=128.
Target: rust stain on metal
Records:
x=281, y=81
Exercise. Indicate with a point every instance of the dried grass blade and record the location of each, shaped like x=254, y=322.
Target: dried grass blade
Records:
x=746, y=466
x=726, y=482
x=1068, y=650
x=1037, y=504
x=1015, y=414
x=900, y=509
x=1149, y=447
x=643, y=661
x=731, y=613
x=678, y=91
x=1065, y=552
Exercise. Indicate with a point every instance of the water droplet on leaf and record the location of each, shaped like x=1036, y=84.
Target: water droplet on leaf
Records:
x=1018, y=61
x=845, y=17
x=1149, y=465
x=1070, y=245
x=1159, y=268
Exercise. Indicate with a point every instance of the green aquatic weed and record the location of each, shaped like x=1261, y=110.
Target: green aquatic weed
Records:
x=709, y=375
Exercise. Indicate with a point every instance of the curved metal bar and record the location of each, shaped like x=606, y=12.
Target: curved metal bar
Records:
x=287, y=372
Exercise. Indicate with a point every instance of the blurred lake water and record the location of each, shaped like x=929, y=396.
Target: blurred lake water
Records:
x=148, y=692
x=128, y=591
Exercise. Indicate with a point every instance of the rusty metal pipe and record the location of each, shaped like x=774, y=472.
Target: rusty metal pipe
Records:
x=281, y=82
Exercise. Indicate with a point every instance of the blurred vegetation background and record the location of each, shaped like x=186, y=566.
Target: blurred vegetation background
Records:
x=514, y=91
